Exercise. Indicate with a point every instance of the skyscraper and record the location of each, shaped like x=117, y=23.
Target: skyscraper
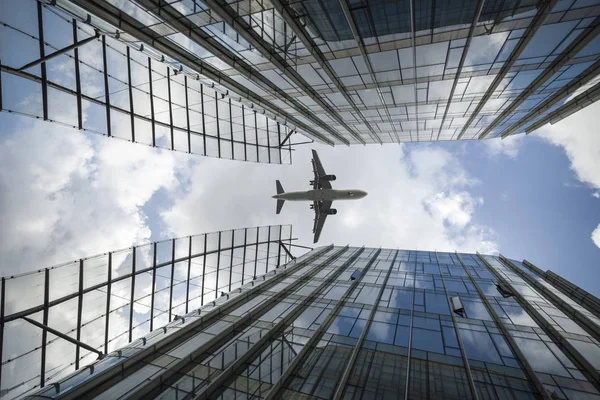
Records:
x=342, y=322
x=61, y=319
x=238, y=79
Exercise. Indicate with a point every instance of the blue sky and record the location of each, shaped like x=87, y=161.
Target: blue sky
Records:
x=65, y=194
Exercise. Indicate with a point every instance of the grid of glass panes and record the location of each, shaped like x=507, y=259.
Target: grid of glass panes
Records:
x=109, y=300
x=313, y=330
x=118, y=90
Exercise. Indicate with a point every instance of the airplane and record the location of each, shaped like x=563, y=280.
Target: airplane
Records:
x=322, y=195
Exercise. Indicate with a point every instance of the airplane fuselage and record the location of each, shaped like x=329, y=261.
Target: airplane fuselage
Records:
x=322, y=195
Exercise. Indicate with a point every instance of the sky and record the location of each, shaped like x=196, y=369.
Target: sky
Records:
x=66, y=194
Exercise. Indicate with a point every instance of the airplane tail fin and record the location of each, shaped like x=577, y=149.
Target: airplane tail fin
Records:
x=279, y=187
x=279, y=201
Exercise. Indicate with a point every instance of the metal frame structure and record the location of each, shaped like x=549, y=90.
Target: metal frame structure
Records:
x=260, y=339
x=94, y=289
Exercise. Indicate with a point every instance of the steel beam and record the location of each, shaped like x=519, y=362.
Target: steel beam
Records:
x=52, y=303
x=581, y=101
x=46, y=308
x=461, y=347
x=580, y=319
x=413, y=34
x=530, y=31
x=308, y=346
x=244, y=29
x=363, y=51
x=583, y=39
x=290, y=18
x=577, y=294
x=286, y=250
x=586, y=368
x=205, y=319
x=61, y=335
x=165, y=377
x=181, y=24
x=527, y=368
x=461, y=63
x=108, y=295
x=567, y=90
x=59, y=52
x=343, y=382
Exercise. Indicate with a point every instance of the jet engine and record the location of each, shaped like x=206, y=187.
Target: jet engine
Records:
x=331, y=211
x=327, y=178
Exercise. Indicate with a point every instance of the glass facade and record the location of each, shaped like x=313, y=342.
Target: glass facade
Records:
x=61, y=319
x=408, y=324
x=237, y=79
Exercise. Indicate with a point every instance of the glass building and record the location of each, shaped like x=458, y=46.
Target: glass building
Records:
x=62, y=319
x=237, y=79
x=354, y=323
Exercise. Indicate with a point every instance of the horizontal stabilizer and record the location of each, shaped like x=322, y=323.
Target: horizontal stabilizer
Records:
x=279, y=205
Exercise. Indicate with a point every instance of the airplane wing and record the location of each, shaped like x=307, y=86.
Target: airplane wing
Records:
x=319, y=171
x=320, y=216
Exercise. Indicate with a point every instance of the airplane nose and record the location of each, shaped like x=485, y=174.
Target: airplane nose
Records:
x=363, y=193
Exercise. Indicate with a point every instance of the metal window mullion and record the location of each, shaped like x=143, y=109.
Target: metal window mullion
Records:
x=218, y=123
x=196, y=355
x=279, y=141
x=414, y=54
x=133, y=27
x=151, y=102
x=153, y=287
x=458, y=337
x=461, y=63
x=410, y=328
x=187, y=114
x=256, y=252
x=309, y=345
x=268, y=144
x=79, y=312
x=580, y=319
x=584, y=299
x=106, y=87
x=231, y=130
x=130, y=90
x=172, y=279
x=560, y=341
x=133, y=262
x=243, y=130
x=256, y=133
x=279, y=251
x=35, y=309
x=108, y=295
x=231, y=258
x=203, y=270
x=535, y=24
x=45, y=322
x=203, y=118
x=244, y=255
x=527, y=368
x=341, y=386
x=218, y=266
x=268, y=248
x=206, y=319
x=77, y=78
x=2, y=307
x=583, y=39
x=43, y=66
x=170, y=108
x=189, y=271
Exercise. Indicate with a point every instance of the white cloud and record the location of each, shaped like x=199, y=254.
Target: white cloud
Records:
x=67, y=195
x=417, y=199
x=508, y=147
x=578, y=136
x=596, y=236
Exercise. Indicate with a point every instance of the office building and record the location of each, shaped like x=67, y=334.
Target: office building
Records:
x=61, y=319
x=238, y=79
x=354, y=323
